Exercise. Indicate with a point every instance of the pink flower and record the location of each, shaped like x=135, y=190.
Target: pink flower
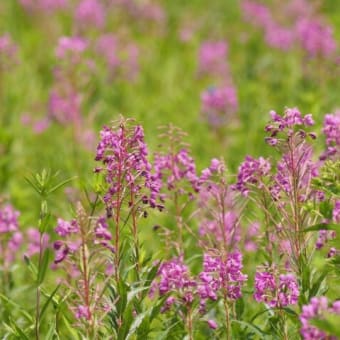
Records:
x=90, y=13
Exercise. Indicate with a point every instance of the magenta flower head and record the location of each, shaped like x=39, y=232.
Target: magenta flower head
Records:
x=276, y=291
x=316, y=309
x=174, y=280
x=90, y=13
x=212, y=58
x=279, y=37
x=221, y=276
x=258, y=14
x=8, y=51
x=123, y=154
x=10, y=236
x=336, y=211
x=70, y=47
x=33, y=241
x=219, y=105
x=315, y=37
x=331, y=130
x=251, y=173
x=65, y=228
x=8, y=219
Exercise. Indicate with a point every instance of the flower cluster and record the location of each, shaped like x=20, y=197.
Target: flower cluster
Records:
x=219, y=105
x=315, y=37
x=301, y=27
x=33, y=242
x=83, y=253
x=317, y=308
x=287, y=124
x=71, y=47
x=90, y=13
x=250, y=173
x=219, y=225
x=8, y=51
x=177, y=168
x=123, y=154
x=174, y=280
x=212, y=58
x=221, y=277
x=10, y=236
x=331, y=130
x=120, y=58
x=276, y=292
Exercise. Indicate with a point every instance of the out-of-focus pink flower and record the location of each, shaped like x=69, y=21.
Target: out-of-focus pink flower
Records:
x=70, y=46
x=33, y=240
x=315, y=37
x=90, y=13
x=213, y=58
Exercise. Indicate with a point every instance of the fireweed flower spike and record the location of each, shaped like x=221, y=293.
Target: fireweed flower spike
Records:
x=276, y=290
x=129, y=182
x=175, y=174
x=219, y=218
x=286, y=187
x=174, y=281
x=83, y=253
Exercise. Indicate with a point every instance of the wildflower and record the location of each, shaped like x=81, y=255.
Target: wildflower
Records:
x=90, y=13
x=221, y=276
x=317, y=308
x=8, y=50
x=83, y=312
x=212, y=58
x=212, y=324
x=315, y=37
x=331, y=130
x=70, y=46
x=219, y=104
x=250, y=173
x=65, y=228
x=8, y=219
x=276, y=292
x=33, y=239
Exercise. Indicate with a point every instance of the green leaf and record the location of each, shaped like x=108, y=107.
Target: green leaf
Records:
x=21, y=309
x=251, y=326
x=322, y=226
x=32, y=268
x=44, y=308
x=43, y=266
x=316, y=286
x=19, y=331
x=239, y=307
x=56, y=187
x=329, y=323
x=72, y=332
x=136, y=323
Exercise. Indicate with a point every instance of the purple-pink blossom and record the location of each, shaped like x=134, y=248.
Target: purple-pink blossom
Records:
x=90, y=13
x=250, y=173
x=317, y=308
x=221, y=277
x=219, y=105
x=276, y=291
x=315, y=37
x=212, y=58
x=331, y=130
